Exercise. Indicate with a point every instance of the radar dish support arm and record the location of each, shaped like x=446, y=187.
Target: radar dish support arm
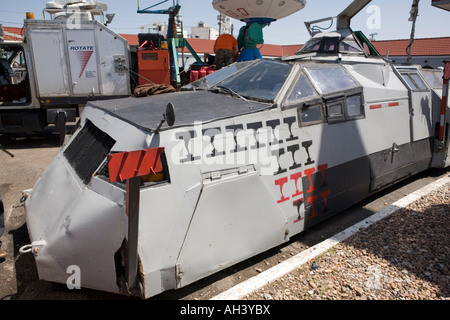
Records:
x=345, y=17
x=309, y=23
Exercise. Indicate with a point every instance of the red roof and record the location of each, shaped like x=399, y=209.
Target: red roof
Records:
x=132, y=39
x=201, y=45
x=272, y=50
x=420, y=47
x=13, y=33
x=291, y=49
x=206, y=46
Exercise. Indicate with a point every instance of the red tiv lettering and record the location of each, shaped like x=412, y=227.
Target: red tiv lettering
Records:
x=311, y=201
x=298, y=203
x=322, y=169
x=309, y=173
x=296, y=177
x=281, y=182
x=325, y=194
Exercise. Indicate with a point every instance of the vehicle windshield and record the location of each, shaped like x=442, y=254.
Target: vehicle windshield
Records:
x=262, y=81
x=212, y=79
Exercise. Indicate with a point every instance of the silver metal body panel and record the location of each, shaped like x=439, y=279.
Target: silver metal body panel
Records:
x=77, y=232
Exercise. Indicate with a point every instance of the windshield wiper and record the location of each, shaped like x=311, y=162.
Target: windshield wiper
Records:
x=223, y=89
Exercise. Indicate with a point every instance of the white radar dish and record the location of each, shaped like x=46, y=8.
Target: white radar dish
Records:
x=250, y=9
x=81, y=4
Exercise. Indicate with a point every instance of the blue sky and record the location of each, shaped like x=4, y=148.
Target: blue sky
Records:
x=391, y=18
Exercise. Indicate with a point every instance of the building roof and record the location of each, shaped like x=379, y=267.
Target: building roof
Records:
x=13, y=33
x=206, y=46
x=420, y=47
x=132, y=39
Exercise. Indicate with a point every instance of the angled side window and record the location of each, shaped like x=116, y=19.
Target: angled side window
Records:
x=305, y=98
x=433, y=77
x=413, y=79
x=349, y=46
x=326, y=93
x=330, y=78
x=301, y=90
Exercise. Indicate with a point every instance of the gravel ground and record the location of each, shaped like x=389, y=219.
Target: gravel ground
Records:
x=405, y=256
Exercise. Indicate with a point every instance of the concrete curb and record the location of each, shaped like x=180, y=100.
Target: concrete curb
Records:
x=257, y=282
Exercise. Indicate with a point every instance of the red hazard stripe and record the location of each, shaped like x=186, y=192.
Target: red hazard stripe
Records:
x=379, y=106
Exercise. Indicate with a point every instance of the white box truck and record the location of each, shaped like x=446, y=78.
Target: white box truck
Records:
x=59, y=66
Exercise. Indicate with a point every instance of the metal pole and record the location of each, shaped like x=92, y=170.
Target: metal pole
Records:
x=6, y=151
x=444, y=101
x=414, y=13
x=131, y=255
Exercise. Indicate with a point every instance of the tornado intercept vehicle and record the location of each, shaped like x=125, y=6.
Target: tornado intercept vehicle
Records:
x=231, y=166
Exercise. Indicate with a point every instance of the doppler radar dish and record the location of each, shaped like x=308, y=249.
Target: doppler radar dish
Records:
x=257, y=14
x=245, y=10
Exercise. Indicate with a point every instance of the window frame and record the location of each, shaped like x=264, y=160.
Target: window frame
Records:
x=312, y=103
x=331, y=102
x=436, y=75
x=293, y=104
x=342, y=97
x=307, y=69
x=325, y=101
x=408, y=73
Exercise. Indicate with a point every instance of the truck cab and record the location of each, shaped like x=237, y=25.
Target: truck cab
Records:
x=15, y=91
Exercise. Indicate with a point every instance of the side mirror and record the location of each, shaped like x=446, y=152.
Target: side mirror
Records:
x=168, y=117
x=109, y=18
